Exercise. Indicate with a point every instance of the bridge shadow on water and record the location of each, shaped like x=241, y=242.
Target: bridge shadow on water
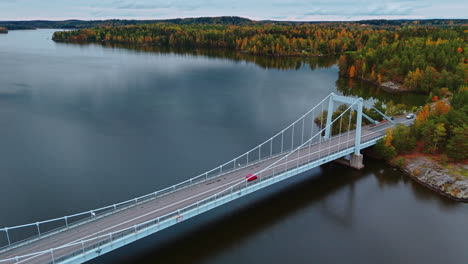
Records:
x=207, y=235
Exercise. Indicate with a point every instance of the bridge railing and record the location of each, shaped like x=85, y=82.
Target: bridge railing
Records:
x=282, y=142
x=284, y=164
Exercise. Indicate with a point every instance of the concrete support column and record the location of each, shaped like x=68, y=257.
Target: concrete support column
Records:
x=356, y=161
x=328, y=126
x=357, y=143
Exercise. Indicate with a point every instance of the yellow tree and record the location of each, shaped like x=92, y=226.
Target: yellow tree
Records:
x=344, y=47
x=414, y=79
x=379, y=78
x=388, y=137
x=422, y=116
x=352, y=71
x=440, y=108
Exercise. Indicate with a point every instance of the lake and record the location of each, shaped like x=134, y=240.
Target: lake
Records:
x=84, y=126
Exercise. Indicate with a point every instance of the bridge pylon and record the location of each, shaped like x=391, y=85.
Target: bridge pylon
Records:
x=358, y=105
x=356, y=160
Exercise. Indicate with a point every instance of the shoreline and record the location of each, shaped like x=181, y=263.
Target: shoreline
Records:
x=432, y=188
x=299, y=54
x=390, y=87
x=432, y=169
x=432, y=174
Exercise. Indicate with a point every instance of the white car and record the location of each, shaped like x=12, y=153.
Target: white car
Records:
x=410, y=116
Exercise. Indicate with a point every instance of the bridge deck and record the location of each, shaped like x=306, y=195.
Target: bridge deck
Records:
x=152, y=209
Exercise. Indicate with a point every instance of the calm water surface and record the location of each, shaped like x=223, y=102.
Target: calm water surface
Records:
x=82, y=126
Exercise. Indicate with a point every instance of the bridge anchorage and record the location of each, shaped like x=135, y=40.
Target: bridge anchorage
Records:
x=310, y=141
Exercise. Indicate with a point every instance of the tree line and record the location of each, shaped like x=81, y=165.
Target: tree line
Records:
x=268, y=39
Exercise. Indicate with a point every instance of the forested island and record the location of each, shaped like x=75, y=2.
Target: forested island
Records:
x=3, y=30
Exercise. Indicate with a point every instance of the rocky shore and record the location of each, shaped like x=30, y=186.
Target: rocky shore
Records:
x=3, y=30
x=389, y=86
x=450, y=180
x=392, y=87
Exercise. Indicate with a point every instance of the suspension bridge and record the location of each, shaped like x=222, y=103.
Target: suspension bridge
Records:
x=305, y=144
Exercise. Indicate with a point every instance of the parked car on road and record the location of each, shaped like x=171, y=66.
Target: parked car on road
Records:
x=410, y=116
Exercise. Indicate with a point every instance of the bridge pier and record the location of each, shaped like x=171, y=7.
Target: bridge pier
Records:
x=356, y=161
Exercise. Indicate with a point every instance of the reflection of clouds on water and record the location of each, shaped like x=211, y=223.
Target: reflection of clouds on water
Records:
x=14, y=89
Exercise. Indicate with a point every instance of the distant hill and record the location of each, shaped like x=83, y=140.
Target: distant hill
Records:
x=223, y=20
x=422, y=22
x=77, y=24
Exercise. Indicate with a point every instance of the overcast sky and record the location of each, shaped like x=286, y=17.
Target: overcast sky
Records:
x=310, y=10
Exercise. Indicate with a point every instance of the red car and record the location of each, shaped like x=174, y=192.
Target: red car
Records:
x=251, y=177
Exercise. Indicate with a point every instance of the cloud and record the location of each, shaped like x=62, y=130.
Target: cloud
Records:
x=138, y=6
x=279, y=17
x=385, y=9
